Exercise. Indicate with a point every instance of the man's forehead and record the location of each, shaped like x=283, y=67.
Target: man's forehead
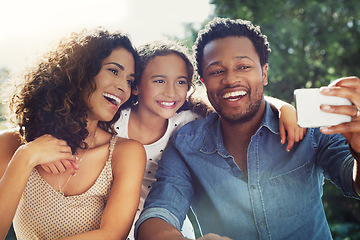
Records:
x=229, y=47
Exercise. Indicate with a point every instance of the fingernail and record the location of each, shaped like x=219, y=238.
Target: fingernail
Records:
x=325, y=90
x=324, y=129
x=326, y=107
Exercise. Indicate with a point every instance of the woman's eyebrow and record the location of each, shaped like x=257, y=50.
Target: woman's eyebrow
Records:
x=118, y=65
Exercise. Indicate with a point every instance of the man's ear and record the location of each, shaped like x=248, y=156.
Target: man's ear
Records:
x=264, y=74
x=135, y=90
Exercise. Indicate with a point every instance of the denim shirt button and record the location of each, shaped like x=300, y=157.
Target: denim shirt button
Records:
x=253, y=186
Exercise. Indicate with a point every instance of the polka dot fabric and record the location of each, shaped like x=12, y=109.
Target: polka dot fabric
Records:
x=44, y=213
x=154, y=152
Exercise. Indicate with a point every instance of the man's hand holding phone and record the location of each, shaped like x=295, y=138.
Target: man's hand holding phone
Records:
x=346, y=111
x=310, y=103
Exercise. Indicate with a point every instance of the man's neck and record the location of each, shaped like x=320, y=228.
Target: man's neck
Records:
x=237, y=136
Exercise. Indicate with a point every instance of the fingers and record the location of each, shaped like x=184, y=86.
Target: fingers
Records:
x=290, y=139
x=351, y=82
x=69, y=167
x=303, y=133
x=296, y=134
x=342, y=128
x=282, y=133
x=350, y=110
x=46, y=168
x=62, y=166
x=344, y=87
x=347, y=88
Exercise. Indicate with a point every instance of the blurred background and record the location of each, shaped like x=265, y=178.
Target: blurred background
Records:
x=312, y=43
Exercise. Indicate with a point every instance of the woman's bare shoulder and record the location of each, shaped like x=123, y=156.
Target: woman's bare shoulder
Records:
x=10, y=140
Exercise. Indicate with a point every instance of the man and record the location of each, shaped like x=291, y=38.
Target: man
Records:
x=230, y=167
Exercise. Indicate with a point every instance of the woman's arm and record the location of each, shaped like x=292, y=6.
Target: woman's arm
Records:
x=287, y=122
x=16, y=164
x=128, y=163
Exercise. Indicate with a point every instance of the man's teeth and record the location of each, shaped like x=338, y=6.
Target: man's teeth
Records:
x=167, y=103
x=112, y=97
x=236, y=94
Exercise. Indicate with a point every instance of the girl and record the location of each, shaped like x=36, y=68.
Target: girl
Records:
x=65, y=111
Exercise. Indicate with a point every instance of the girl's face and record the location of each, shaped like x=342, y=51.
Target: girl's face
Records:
x=113, y=85
x=163, y=86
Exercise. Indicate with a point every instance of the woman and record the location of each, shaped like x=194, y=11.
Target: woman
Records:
x=65, y=110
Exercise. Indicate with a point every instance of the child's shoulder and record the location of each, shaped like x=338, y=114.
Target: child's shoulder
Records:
x=185, y=116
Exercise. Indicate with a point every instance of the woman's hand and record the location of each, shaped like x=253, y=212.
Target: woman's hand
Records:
x=61, y=166
x=288, y=126
x=45, y=149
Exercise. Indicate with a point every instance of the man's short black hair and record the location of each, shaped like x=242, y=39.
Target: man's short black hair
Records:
x=224, y=27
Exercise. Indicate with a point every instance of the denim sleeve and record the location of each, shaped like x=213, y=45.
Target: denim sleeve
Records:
x=170, y=196
x=161, y=213
x=336, y=161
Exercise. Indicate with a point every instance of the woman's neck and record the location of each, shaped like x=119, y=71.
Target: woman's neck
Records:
x=92, y=127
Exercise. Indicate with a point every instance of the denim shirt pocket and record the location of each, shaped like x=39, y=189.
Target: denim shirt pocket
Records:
x=293, y=190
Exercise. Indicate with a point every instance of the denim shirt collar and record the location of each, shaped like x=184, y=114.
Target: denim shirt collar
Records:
x=213, y=141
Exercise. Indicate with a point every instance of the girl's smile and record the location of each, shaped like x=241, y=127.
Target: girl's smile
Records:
x=163, y=86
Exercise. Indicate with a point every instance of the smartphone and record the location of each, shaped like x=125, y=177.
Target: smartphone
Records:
x=309, y=114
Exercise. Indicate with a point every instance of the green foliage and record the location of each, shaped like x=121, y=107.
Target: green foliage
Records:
x=343, y=213
x=11, y=234
x=312, y=42
x=4, y=74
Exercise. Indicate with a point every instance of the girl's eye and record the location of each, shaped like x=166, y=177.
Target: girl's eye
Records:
x=130, y=82
x=182, y=82
x=159, y=81
x=243, y=67
x=115, y=72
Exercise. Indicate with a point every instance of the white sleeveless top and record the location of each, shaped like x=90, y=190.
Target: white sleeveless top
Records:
x=44, y=213
x=153, y=154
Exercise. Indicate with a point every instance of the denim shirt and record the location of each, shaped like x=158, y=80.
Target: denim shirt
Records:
x=279, y=198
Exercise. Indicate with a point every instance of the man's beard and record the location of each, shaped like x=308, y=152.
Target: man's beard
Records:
x=240, y=118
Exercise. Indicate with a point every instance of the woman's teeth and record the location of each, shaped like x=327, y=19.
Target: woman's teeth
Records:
x=112, y=98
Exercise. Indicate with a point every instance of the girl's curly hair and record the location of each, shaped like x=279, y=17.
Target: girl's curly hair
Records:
x=51, y=99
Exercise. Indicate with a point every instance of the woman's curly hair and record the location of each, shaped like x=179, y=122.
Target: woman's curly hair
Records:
x=51, y=99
